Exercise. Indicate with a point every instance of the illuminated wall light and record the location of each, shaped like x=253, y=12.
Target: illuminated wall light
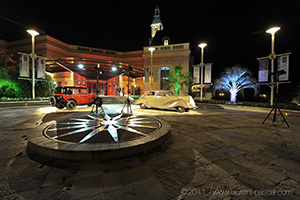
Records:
x=114, y=68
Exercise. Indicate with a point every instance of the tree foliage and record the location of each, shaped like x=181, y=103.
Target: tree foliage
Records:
x=235, y=79
x=11, y=86
x=176, y=80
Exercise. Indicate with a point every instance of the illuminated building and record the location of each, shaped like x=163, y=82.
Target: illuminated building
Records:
x=71, y=65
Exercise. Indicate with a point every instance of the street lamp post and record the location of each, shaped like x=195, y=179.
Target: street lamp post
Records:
x=272, y=31
x=202, y=46
x=151, y=49
x=33, y=33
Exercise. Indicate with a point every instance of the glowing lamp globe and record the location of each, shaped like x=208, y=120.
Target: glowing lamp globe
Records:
x=151, y=49
x=33, y=33
x=202, y=45
x=273, y=30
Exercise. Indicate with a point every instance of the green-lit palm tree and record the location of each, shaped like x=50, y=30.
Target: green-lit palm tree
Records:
x=176, y=80
x=235, y=79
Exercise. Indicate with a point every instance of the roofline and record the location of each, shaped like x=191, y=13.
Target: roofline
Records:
x=77, y=87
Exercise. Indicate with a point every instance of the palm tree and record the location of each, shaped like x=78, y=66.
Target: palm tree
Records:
x=176, y=79
x=235, y=79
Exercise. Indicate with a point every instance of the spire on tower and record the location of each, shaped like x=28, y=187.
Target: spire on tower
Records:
x=156, y=24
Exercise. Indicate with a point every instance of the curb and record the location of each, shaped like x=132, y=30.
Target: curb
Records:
x=23, y=103
x=41, y=146
x=250, y=109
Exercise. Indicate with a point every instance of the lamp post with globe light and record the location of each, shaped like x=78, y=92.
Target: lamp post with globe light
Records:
x=33, y=33
x=272, y=31
x=151, y=49
x=202, y=46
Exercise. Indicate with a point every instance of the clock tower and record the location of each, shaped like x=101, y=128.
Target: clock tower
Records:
x=156, y=24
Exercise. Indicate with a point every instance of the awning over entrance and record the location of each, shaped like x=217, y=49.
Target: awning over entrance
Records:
x=84, y=67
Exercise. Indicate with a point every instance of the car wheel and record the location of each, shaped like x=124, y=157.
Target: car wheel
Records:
x=180, y=109
x=143, y=106
x=52, y=101
x=71, y=105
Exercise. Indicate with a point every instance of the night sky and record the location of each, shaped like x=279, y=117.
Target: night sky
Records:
x=233, y=30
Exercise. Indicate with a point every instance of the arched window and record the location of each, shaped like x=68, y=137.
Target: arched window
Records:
x=166, y=42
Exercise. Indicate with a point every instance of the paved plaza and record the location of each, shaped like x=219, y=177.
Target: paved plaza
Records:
x=211, y=153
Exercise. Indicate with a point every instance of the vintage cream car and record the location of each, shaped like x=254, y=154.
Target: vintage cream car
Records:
x=165, y=99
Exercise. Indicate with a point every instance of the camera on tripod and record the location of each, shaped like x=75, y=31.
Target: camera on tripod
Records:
x=275, y=106
x=98, y=101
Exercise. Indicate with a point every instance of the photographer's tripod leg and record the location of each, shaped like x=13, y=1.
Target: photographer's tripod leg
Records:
x=268, y=115
x=284, y=120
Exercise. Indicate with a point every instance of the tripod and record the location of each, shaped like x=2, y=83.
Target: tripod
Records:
x=98, y=104
x=127, y=103
x=275, y=107
x=98, y=101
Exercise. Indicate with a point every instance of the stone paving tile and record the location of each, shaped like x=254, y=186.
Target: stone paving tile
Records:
x=207, y=153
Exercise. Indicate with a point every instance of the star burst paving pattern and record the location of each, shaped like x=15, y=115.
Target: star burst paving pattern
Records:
x=102, y=128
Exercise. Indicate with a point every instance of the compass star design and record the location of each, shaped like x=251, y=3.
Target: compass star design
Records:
x=92, y=125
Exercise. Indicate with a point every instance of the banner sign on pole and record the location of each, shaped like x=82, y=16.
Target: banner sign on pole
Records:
x=196, y=74
x=24, y=65
x=263, y=72
x=40, y=68
x=283, y=64
x=207, y=74
x=146, y=75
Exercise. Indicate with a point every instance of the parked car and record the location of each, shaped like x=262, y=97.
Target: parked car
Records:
x=165, y=99
x=70, y=97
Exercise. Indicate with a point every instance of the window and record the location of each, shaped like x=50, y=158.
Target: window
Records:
x=84, y=91
x=170, y=93
x=76, y=91
x=164, y=72
x=159, y=93
x=166, y=42
x=151, y=93
x=68, y=91
x=59, y=90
